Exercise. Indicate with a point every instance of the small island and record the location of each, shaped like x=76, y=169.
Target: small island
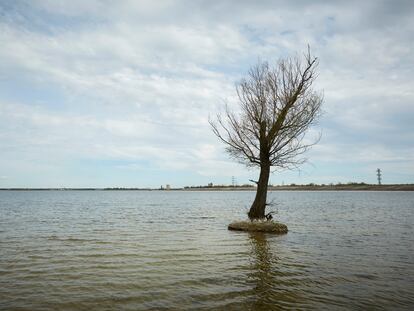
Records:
x=269, y=226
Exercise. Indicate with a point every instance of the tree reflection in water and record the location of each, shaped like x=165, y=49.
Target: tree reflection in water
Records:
x=274, y=286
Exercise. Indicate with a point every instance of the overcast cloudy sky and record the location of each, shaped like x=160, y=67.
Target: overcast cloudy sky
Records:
x=118, y=93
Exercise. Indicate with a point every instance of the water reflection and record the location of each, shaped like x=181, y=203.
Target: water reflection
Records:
x=273, y=284
x=262, y=257
x=261, y=269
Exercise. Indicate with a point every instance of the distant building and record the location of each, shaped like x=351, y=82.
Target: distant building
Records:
x=210, y=185
x=167, y=187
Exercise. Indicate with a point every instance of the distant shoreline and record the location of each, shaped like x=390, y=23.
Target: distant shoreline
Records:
x=338, y=187
x=404, y=187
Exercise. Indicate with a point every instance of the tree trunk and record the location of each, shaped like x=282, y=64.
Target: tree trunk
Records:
x=257, y=210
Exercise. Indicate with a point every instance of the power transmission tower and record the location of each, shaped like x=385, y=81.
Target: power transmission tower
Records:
x=233, y=181
x=379, y=176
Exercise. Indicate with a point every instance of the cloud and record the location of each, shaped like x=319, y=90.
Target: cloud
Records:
x=136, y=81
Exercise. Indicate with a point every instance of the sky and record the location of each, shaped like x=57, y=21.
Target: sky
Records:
x=119, y=93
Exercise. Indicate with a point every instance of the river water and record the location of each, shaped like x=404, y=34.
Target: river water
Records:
x=171, y=250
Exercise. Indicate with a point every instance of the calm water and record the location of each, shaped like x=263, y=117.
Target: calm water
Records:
x=131, y=250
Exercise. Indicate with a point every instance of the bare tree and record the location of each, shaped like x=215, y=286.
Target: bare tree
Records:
x=278, y=105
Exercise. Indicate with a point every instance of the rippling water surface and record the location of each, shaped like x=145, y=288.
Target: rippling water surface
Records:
x=171, y=250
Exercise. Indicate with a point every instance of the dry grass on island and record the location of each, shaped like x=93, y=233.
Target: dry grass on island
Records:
x=259, y=226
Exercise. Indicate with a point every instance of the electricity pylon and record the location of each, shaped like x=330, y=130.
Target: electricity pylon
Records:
x=379, y=176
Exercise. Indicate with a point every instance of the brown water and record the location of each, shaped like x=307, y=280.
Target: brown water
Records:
x=131, y=250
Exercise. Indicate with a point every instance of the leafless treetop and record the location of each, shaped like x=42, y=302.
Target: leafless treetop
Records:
x=277, y=105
